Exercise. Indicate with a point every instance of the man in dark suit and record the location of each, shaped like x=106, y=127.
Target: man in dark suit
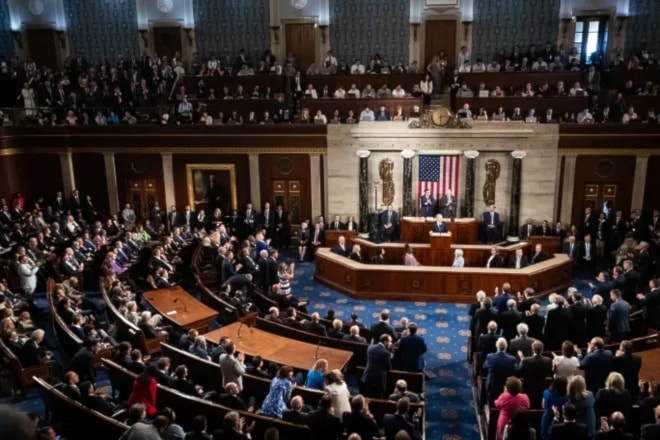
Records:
x=427, y=204
x=389, y=224
x=491, y=221
x=411, y=350
x=534, y=370
x=232, y=399
x=248, y=220
x=487, y=344
x=572, y=249
x=438, y=225
x=544, y=230
x=354, y=335
x=281, y=222
x=602, y=286
x=652, y=430
x=379, y=258
x=500, y=301
x=224, y=266
x=538, y=255
x=527, y=230
x=75, y=203
x=315, y=326
x=509, y=320
x=213, y=193
x=83, y=361
x=596, y=317
x=615, y=429
x=482, y=317
x=500, y=366
x=172, y=218
x=578, y=311
x=522, y=343
x=518, y=260
x=341, y=248
x=155, y=215
x=379, y=362
x=557, y=324
x=448, y=204
x=494, y=259
x=587, y=254
x=534, y=321
x=628, y=364
x=596, y=365
x=619, y=320
x=382, y=327
x=651, y=305
x=336, y=224
x=393, y=423
x=592, y=81
x=568, y=428
x=296, y=414
x=59, y=204
x=322, y=422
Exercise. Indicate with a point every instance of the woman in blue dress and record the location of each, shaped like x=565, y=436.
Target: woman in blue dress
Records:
x=316, y=376
x=555, y=396
x=279, y=394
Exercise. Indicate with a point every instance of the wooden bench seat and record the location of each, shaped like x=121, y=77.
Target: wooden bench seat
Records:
x=24, y=376
x=76, y=421
x=187, y=407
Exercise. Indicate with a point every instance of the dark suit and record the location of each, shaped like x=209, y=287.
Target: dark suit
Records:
x=629, y=365
x=323, y=426
x=359, y=423
x=248, y=221
x=579, y=331
x=83, y=364
x=651, y=310
x=500, y=366
x=427, y=206
x=336, y=226
x=557, y=327
x=411, y=350
x=374, y=377
x=439, y=227
x=619, y=321
x=615, y=434
x=448, y=207
x=537, y=258
x=297, y=417
x=393, y=423
x=597, y=365
x=389, y=218
x=527, y=230
x=568, y=430
x=535, y=323
x=595, y=321
x=534, y=370
x=492, y=226
x=486, y=346
x=508, y=320
x=481, y=319
x=521, y=343
x=650, y=432
x=524, y=262
x=337, y=249
x=381, y=328
x=495, y=262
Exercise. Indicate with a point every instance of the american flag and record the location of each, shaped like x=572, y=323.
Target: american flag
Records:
x=438, y=173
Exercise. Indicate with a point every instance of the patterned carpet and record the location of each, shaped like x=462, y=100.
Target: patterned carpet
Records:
x=450, y=412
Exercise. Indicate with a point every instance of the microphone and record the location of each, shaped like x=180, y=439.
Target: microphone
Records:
x=238, y=332
x=185, y=309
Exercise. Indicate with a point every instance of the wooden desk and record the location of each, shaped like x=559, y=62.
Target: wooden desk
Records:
x=416, y=229
x=407, y=81
x=429, y=283
x=181, y=308
x=520, y=79
x=332, y=237
x=329, y=105
x=650, y=362
x=284, y=351
x=559, y=105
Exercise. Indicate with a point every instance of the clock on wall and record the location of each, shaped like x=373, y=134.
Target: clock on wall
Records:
x=165, y=6
x=36, y=7
x=298, y=4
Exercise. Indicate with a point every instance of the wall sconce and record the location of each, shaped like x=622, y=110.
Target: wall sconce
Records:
x=276, y=33
x=620, y=21
x=18, y=38
x=323, y=27
x=466, y=28
x=61, y=35
x=415, y=27
x=189, y=35
x=144, y=34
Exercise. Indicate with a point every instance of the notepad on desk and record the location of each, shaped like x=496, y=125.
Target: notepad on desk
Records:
x=171, y=312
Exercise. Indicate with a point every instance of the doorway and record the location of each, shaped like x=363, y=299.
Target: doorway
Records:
x=288, y=193
x=142, y=196
x=440, y=35
x=600, y=197
x=301, y=41
x=44, y=47
x=167, y=40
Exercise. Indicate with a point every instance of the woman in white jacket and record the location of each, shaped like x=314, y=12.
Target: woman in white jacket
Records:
x=28, y=273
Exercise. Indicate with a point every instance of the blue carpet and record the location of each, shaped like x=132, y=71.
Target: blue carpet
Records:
x=450, y=412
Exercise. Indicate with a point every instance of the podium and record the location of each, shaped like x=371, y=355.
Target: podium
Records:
x=415, y=229
x=332, y=237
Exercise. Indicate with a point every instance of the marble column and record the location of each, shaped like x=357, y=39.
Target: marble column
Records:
x=514, y=211
x=68, y=176
x=364, y=189
x=470, y=177
x=408, y=202
x=168, y=181
x=568, y=186
x=255, y=183
x=111, y=181
x=639, y=183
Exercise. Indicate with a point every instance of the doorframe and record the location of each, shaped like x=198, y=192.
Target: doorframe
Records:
x=186, y=36
x=61, y=41
x=421, y=55
x=321, y=46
